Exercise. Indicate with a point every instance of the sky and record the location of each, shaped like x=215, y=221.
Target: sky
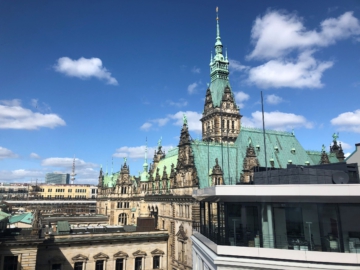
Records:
x=95, y=80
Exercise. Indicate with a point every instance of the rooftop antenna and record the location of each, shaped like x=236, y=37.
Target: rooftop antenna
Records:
x=73, y=174
x=263, y=122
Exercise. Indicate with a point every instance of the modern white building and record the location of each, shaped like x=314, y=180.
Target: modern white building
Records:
x=279, y=226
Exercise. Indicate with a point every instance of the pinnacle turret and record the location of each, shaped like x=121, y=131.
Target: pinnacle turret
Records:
x=145, y=165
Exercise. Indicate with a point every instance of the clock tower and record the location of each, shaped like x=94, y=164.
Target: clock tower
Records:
x=221, y=116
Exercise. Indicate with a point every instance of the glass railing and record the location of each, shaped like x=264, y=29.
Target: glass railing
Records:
x=278, y=241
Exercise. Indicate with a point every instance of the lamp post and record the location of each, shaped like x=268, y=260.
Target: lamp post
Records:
x=309, y=224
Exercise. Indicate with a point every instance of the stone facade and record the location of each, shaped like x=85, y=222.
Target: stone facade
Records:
x=167, y=197
x=108, y=248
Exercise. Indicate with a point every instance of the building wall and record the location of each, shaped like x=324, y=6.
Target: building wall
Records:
x=26, y=256
x=64, y=253
x=48, y=191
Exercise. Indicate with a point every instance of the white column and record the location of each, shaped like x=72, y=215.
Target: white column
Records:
x=270, y=224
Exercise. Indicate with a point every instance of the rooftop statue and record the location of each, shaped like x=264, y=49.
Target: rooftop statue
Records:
x=125, y=159
x=249, y=141
x=323, y=148
x=335, y=136
x=159, y=142
x=184, y=119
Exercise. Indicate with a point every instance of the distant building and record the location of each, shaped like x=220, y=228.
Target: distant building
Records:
x=57, y=178
x=354, y=156
x=63, y=191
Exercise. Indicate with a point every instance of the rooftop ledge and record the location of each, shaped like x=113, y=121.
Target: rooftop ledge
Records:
x=332, y=193
x=274, y=258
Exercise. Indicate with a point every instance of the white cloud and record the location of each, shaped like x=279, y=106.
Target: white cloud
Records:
x=273, y=99
x=240, y=97
x=146, y=126
x=34, y=156
x=67, y=163
x=235, y=65
x=11, y=102
x=159, y=122
x=345, y=145
x=137, y=151
x=196, y=70
x=85, y=171
x=180, y=103
x=192, y=88
x=348, y=121
x=84, y=69
x=304, y=72
x=193, y=119
x=13, y=116
x=6, y=153
x=276, y=34
x=276, y=120
x=21, y=175
x=42, y=107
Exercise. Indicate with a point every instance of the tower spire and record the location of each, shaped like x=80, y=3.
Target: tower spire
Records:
x=218, y=38
x=145, y=165
x=73, y=174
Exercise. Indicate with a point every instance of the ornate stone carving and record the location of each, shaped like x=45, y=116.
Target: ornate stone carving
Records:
x=181, y=234
x=217, y=174
x=100, y=256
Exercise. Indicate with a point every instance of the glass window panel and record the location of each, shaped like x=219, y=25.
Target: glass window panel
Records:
x=350, y=224
x=138, y=263
x=243, y=224
x=330, y=228
x=99, y=265
x=156, y=262
x=78, y=266
x=119, y=264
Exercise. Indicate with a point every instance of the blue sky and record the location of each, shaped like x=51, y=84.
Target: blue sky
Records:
x=94, y=79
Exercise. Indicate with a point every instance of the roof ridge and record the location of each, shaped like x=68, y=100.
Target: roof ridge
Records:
x=269, y=131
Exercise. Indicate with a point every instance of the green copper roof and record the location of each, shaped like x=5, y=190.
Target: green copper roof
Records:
x=110, y=179
x=3, y=215
x=63, y=227
x=24, y=218
x=217, y=90
x=280, y=146
x=316, y=157
x=170, y=158
x=204, y=157
x=144, y=176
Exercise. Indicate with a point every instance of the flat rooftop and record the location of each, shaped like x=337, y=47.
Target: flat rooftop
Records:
x=322, y=193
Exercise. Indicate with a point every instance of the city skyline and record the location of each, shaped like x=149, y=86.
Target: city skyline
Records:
x=99, y=79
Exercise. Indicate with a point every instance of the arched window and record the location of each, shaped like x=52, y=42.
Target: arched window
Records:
x=122, y=219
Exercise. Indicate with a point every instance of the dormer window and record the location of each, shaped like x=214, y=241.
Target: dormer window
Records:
x=272, y=162
x=276, y=148
x=293, y=150
x=258, y=147
x=307, y=163
x=289, y=161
